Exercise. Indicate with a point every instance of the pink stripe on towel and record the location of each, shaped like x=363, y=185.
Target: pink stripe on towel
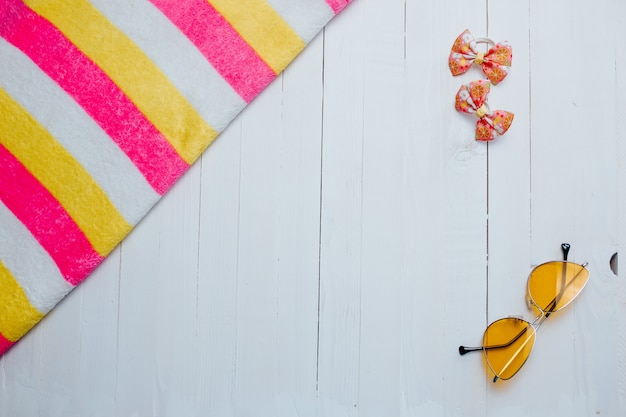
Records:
x=337, y=5
x=4, y=344
x=215, y=38
x=46, y=219
x=90, y=87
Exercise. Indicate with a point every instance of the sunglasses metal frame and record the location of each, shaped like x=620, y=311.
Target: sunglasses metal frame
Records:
x=537, y=321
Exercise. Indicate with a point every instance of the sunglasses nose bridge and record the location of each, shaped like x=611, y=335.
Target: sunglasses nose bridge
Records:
x=539, y=319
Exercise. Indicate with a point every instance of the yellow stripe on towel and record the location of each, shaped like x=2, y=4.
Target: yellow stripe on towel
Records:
x=17, y=316
x=146, y=85
x=58, y=171
x=263, y=29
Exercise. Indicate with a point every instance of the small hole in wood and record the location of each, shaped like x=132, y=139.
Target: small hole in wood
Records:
x=613, y=263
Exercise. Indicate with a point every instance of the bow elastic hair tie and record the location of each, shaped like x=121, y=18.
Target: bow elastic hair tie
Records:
x=472, y=98
x=495, y=62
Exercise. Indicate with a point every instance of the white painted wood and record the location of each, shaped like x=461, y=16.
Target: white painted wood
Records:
x=510, y=174
x=216, y=340
x=620, y=224
x=328, y=254
x=446, y=218
x=341, y=215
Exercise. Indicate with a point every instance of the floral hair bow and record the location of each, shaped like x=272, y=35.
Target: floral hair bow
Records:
x=495, y=62
x=472, y=98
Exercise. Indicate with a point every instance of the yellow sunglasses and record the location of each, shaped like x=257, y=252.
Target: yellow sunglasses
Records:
x=551, y=286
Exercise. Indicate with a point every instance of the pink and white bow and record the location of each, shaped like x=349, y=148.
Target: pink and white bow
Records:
x=495, y=62
x=472, y=99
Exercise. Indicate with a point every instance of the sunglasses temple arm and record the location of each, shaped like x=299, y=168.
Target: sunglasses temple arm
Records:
x=463, y=350
x=565, y=247
x=556, y=299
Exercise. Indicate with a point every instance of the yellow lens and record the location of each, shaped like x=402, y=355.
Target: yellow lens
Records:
x=506, y=345
x=553, y=285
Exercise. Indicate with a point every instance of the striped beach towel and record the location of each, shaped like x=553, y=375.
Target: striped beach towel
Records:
x=104, y=104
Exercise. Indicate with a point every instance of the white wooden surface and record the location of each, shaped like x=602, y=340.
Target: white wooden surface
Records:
x=345, y=234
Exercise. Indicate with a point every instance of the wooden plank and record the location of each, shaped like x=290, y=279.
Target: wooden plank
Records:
x=341, y=214
x=509, y=170
x=300, y=183
x=278, y=247
x=383, y=236
x=176, y=306
x=510, y=198
x=216, y=342
x=445, y=283
x=258, y=254
x=137, y=334
x=573, y=157
x=99, y=303
x=620, y=109
x=157, y=304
